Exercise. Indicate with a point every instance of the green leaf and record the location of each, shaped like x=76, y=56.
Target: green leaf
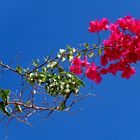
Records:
x=28, y=102
x=70, y=57
x=31, y=78
x=63, y=84
x=62, y=106
x=42, y=77
x=60, y=69
x=4, y=94
x=63, y=59
x=70, y=49
x=80, y=82
x=100, y=51
x=3, y=108
x=62, y=51
x=94, y=45
x=18, y=108
x=52, y=64
x=91, y=54
x=19, y=69
x=44, y=69
x=35, y=62
x=86, y=45
x=79, y=54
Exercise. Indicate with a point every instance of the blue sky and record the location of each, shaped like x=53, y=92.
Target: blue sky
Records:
x=32, y=29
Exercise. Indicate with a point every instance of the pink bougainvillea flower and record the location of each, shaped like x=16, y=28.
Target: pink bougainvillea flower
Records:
x=96, y=26
x=103, y=71
x=104, y=24
x=76, y=61
x=103, y=60
x=128, y=72
x=85, y=63
x=115, y=36
x=129, y=23
x=107, y=42
x=76, y=69
x=113, y=68
x=121, y=65
x=97, y=78
x=93, y=74
x=114, y=28
x=121, y=49
x=137, y=51
x=131, y=57
x=78, y=64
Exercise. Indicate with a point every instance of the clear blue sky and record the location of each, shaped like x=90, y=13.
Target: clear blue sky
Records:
x=33, y=28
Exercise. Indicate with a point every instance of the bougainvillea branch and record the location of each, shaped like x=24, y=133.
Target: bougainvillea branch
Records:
x=56, y=83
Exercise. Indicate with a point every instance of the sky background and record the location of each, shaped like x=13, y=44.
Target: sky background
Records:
x=33, y=28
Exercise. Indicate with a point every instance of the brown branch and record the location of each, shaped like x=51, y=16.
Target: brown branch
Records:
x=55, y=58
x=33, y=106
x=11, y=69
x=47, y=61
